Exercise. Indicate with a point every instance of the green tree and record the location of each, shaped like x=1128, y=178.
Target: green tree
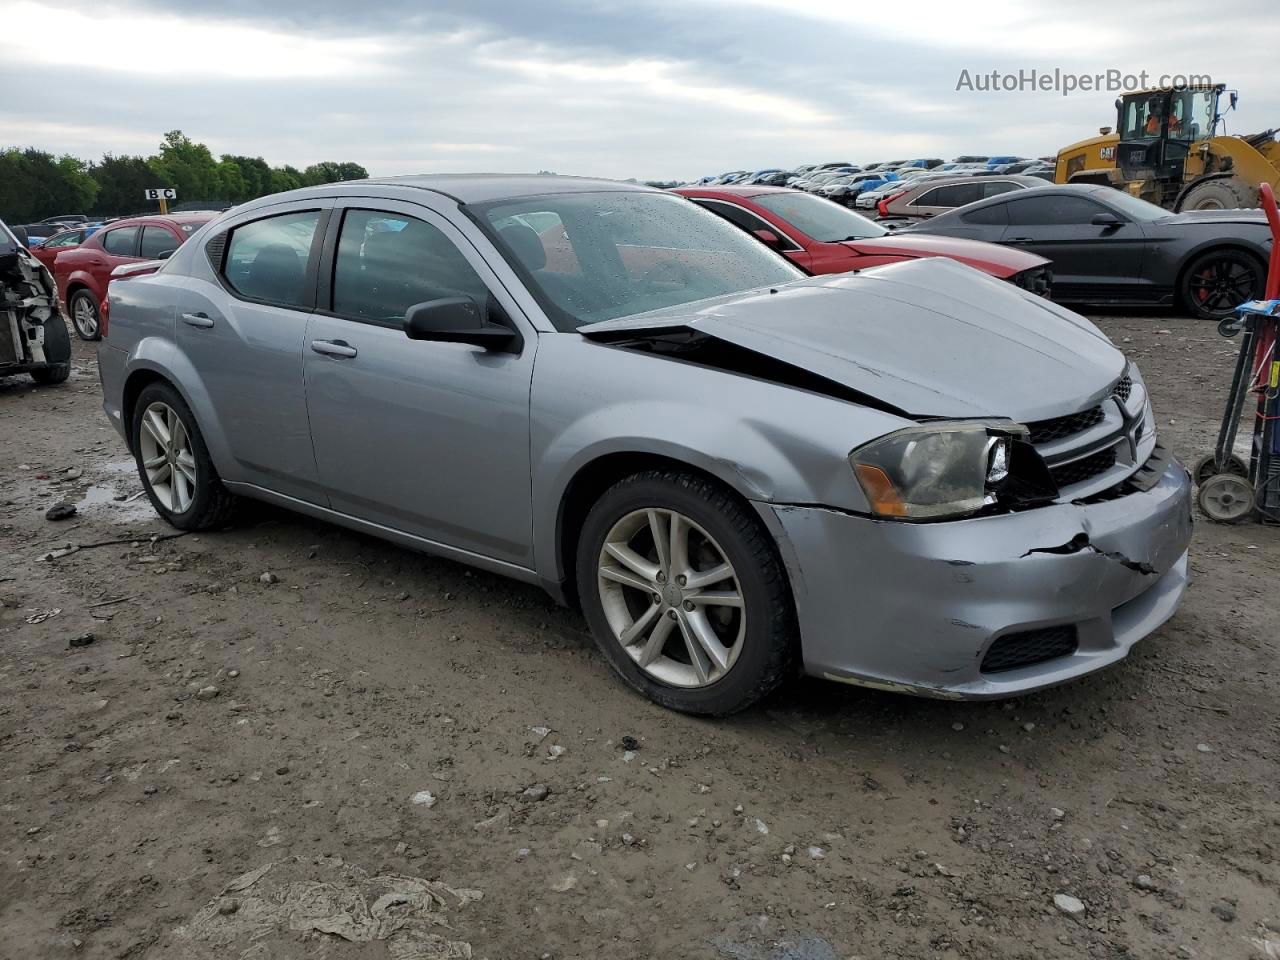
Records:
x=34, y=185
x=121, y=182
x=286, y=178
x=187, y=166
x=328, y=171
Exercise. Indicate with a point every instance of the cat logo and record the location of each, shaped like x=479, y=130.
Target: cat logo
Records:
x=1108, y=153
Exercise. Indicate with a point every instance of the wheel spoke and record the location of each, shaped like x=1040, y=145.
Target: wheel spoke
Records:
x=162, y=473
x=658, y=527
x=642, y=624
x=154, y=422
x=626, y=578
x=153, y=462
x=679, y=550
x=705, y=578
x=633, y=561
x=657, y=640
x=718, y=598
x=708, y=642
x=697, y=656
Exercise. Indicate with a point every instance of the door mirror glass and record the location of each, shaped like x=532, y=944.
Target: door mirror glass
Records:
x=455, y=320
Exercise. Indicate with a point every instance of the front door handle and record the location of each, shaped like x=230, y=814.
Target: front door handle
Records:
x=333, y=348
x=197, y=320
x=1019, y=240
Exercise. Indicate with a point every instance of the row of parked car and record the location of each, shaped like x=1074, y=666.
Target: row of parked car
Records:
x=865, y=186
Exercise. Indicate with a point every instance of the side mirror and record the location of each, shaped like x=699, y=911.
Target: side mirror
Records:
x=1235, y=98
x=768, y=237
x=455, y=320
x=1106, y=220
x=1104, y=130
x=20, y=234
x=166, y=254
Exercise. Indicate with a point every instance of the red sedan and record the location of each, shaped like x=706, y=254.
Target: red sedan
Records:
x=82, y=273
x=821, y=236
x=48, y=251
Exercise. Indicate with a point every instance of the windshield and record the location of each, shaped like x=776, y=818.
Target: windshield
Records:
x=821, y=219
x=1135, y=208
x=610, y=255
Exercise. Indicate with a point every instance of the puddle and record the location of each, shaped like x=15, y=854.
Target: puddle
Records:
x=101, y=499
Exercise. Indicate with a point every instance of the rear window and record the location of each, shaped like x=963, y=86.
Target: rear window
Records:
x=121, y=242
x=155, y=241
x=267, y=259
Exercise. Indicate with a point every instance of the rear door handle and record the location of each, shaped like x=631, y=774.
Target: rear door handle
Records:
x=1019, y=240
x=333, y=348
x=197, y=320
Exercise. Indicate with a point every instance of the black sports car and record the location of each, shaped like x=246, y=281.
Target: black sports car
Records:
x=1109, y=247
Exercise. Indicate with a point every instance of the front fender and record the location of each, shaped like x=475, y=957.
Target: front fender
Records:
x=766, y=441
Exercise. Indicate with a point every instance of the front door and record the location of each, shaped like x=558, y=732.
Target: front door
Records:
x=431, y=439
x=1089, y=260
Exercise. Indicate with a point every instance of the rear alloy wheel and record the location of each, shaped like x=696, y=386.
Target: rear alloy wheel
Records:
x=173, y=462
x=1219, y=281
x=685, y=594
x=84, y=316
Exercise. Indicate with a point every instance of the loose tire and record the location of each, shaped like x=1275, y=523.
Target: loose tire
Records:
x=173, y=462
x=1225, y=193
x=57, y=351
x=1218, y=281
x=685, y=594
x=1207, y=466
x=84, y=315
x=1226, y=498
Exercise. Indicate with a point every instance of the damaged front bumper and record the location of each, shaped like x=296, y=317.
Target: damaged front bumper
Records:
x=987, y=607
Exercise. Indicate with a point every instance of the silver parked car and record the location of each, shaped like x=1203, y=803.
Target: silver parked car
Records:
x=914, y=478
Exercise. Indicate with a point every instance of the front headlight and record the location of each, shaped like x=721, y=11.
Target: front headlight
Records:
x=935, y=471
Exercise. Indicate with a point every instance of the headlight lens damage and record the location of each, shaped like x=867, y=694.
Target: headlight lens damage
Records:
x=939, y=470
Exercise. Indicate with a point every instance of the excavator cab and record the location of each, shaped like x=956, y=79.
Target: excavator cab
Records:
x=1157, y=129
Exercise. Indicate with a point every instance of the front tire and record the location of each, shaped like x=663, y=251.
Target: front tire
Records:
x=84, y=315
x=685, y=594
x=173, y=462
x=1223, y=193
x=1219, y=281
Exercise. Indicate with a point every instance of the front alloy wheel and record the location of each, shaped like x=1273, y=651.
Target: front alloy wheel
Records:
x=685, y=593
x=671, y=597
x=167, y=457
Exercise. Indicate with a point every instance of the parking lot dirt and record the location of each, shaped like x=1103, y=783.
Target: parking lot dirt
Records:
x=372, y=753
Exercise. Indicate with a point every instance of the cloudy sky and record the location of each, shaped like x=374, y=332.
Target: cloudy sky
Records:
x=668, y=88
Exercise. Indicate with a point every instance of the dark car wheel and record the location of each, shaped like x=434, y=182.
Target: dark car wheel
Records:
x=685, y=593
x=174, y=463
x=57, y=351
x=1219, y=281
x=84, y=315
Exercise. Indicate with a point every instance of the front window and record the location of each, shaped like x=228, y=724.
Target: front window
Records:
x=1191, y=114
x=610, y=255
x=1141, y=116
x=821, y=219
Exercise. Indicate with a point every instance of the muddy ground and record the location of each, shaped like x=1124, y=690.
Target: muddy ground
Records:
x=213, y=724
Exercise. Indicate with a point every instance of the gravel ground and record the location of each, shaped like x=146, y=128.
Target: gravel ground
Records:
x=173, y=723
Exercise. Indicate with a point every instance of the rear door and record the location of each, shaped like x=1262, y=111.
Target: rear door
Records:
x=242, y=324
x=430, y=439
x=1089, y=261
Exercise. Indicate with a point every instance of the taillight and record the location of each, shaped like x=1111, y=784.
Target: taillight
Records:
x=883, y=206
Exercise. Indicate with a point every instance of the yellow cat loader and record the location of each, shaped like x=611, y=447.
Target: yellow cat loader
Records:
x=1167, y=149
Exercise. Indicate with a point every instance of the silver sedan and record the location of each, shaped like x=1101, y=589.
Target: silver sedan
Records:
x=914, y=478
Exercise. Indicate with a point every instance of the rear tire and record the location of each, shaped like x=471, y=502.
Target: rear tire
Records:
x=723, y=644
x=1221, y=194
x=84, y=315
x=179, y=477
x=57, y=351
x=1218, y=281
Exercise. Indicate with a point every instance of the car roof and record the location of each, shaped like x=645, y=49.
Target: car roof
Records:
x=482, y=187
x=176, y=219
x=746, y=192
x=946, y=181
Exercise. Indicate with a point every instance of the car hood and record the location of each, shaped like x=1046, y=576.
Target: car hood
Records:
x=991, y=257
x=925, y=338
x=1255, y=216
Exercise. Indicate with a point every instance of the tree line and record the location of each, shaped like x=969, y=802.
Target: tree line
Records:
x=35, y=184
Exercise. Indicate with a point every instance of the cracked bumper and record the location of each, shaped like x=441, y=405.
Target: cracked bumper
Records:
x=915, y=607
